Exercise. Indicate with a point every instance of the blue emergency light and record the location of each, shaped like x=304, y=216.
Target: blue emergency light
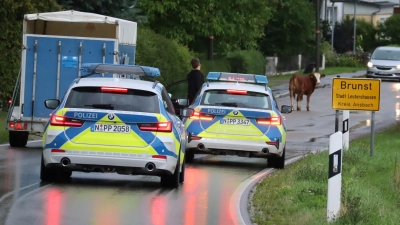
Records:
x=237, y=77
x=97, y=68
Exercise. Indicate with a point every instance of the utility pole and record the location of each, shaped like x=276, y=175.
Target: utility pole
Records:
x=355, y=24
x=317, y=35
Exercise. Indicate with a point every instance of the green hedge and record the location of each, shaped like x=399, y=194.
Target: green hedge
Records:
x=218, y=64
x=171, y=58
x=249, y=61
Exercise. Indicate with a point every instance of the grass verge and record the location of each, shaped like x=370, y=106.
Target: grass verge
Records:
x=3, y=131
x=370, y=186
x=281, y=79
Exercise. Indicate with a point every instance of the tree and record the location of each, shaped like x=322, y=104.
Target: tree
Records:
x=234, y=24
x=104, y=7
x=11, y=38
x=290, y=30
x=390, y=29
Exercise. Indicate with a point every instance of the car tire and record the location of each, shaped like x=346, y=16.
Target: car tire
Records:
x=172, y=181
x=47, y=174
x=18, y=139
x=182, y=173
x=277, y=162
x=189, y=156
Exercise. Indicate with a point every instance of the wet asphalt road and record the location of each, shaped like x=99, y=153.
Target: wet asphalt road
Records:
x=204, y=197
x=118, y=199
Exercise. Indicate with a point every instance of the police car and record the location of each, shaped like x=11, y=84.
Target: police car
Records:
x=124, y=124
x=236, y=114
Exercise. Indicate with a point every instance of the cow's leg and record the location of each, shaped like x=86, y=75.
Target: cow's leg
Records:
x=299, y=99
x=308, y=102
x=292, y=96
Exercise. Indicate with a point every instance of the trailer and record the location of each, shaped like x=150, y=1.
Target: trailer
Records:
x=55, y=45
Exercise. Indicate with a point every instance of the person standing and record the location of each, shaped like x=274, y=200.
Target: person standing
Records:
x=195, y=80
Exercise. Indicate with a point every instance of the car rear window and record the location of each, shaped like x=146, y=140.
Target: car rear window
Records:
x=131, y=100
x=250, y=99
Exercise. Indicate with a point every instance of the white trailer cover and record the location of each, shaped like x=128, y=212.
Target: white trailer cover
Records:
x=82, y=24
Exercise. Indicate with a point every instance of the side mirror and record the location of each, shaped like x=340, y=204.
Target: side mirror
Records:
x=170, y=95
x=52, y=103
x=182, y=101
x=186, y=112
x=286, y=109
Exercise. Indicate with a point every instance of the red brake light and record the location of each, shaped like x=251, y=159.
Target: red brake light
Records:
x=159, y=157
x=9, y=102
x=63, y=121
x=114, y=89
x=236, y=92
x=57, y=150
x=157, y=127
x=275, y=120
x=201, y=116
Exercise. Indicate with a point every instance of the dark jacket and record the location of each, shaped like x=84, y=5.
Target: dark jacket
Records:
x=195, y=81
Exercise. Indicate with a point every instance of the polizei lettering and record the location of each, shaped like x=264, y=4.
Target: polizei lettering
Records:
x=85, y=115
x=216, y=111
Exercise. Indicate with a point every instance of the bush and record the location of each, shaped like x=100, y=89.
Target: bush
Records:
x=219, y=64
x=331, y=58
x=349, y=61
x=171, y=58
x=249, y=61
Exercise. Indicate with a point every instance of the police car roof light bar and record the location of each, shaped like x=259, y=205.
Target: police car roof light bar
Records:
x=98, y=68
x=237, y=77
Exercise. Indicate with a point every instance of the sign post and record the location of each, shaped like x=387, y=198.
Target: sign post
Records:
x=348, y=94
x=357, y=94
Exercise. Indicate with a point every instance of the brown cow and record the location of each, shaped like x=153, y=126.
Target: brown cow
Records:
x=303, y=85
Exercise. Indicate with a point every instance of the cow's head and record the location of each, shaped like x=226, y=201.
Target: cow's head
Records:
x=317, y=77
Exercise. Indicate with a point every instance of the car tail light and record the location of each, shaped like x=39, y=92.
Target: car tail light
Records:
x=201, y=116
x=236, y=92
x=64, y=121
x=114, y=89
x=159, y=156
x=275, y=120
x=157, y=127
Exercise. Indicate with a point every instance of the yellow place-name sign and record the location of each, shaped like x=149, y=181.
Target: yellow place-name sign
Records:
x=356, y=94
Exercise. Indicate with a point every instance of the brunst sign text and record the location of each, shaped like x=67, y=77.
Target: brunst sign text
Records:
x=356, y=94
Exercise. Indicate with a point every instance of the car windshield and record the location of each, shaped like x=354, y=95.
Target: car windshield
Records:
x=126, y=100
x=242, y=99
x=386, y=55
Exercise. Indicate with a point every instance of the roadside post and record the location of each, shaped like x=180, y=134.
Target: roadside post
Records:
x=361, y=94
x=334, y=175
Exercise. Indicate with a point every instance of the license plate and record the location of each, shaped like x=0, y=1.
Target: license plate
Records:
x=244, y=122
x=382, y=73
x=110, y=128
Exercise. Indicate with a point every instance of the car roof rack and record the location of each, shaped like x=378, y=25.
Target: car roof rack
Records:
x=124, y=71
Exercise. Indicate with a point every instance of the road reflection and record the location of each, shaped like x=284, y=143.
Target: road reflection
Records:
x=53, y=208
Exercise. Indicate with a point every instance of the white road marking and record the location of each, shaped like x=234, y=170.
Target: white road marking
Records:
x=234, y=205
x=17, y=190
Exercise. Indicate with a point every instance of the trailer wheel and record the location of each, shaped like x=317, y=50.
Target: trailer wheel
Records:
x=18, y=138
